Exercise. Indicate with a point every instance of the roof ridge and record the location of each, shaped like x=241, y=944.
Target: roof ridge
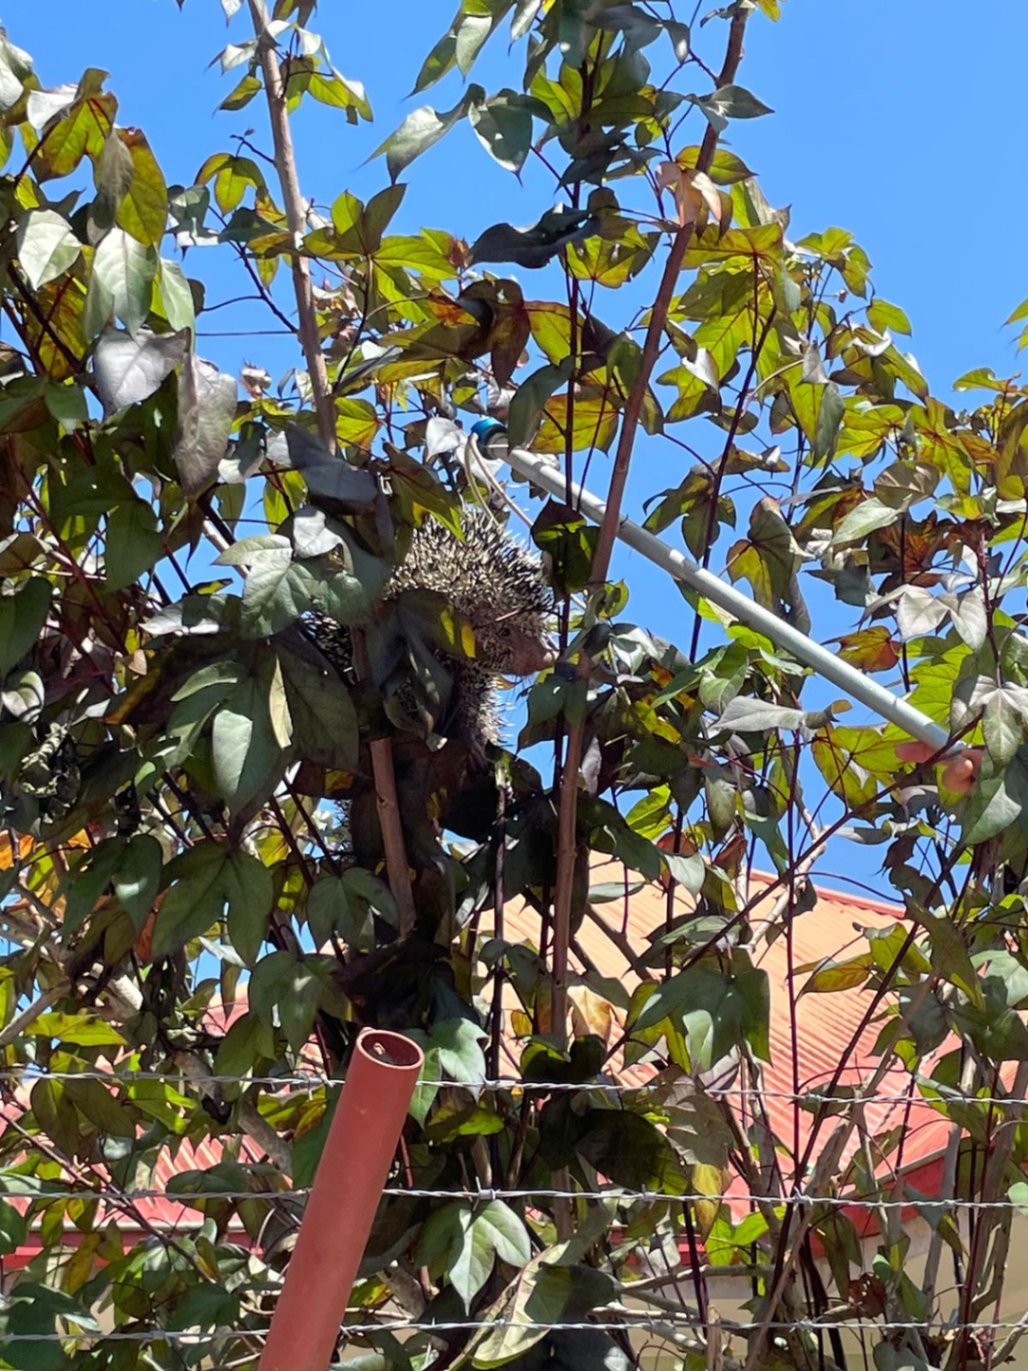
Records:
x=845, y=897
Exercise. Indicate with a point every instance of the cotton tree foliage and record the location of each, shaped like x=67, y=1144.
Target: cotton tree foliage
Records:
x=221, y=857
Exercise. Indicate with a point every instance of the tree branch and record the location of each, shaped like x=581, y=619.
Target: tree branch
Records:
x=567, y=821
x=381, y=749
x=32, y=1012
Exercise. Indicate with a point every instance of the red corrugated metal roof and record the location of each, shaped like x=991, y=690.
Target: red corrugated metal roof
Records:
x=828, y=1026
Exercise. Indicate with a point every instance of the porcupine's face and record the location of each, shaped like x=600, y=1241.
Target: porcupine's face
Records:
x=496, y=586
x=514, y=647
x=505, y=600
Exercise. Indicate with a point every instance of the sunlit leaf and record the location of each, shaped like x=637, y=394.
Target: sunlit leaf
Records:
x=47, y=247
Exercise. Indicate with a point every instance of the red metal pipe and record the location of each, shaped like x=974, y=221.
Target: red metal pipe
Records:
x=351, y=1175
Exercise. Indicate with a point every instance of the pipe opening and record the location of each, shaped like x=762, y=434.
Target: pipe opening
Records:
x=390, y=1049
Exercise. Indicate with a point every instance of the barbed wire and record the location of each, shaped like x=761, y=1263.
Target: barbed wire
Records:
x=487, y=1195
x=316, y=1081
x=645, y=1322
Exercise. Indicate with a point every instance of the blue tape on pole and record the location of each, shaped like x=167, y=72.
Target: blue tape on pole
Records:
x=485, y=429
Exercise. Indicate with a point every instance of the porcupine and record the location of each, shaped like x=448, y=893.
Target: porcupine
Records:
x=444, y=783
x=495, y=585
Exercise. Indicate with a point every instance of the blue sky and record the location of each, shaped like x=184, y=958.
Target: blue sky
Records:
x=899, y=120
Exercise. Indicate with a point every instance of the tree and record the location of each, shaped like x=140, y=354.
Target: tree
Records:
x=195, y=801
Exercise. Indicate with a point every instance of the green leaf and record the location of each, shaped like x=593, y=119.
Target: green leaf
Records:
x=345, y=904
x=537, y=245
x=130, y=368
x=743, y=715
x=918, y=612
x=288, y=986
x=138, y=877
x=248, y=1041
x=328, y=911
x=649, y=816
x=14, y=1228
x=347, y=211
x=38, y=1314
x=17, y=552
x=66, y=401
x=121, y=282
x=133, y=545
x=770, y=558
x=864, y=519
x=174, y=296
x=525, y=12
x=716, y=1009
x=206, y=413
x=79, y=130
x=241, y=95
x=207, y=1305
x=630, y=1151
x=594, y=424
x=249, y=736
x=829, y=419
x=998, y=801
x=530, y=398
x=468, y=1242
x=472, y=33
x=143, y=211
x=883, y=316
x=1004, y=720
x=23, y=695
x=832, y=976
x=204, y=881
x=339, y=93
x=47, y=247
x=331, y=481
x=81, y=1030
x=379, y=214
x=56, y=1114
x=1008, y=970
x=101, y=1108
x=278, y=590
x=439, y=61
x=549, y=1290
x=323, y=714
x=503, y=125
x=421, y=129
x=949, y=954
x=458, y=1046
x=730, y=102
x=22, y=617
x=15, y=67
x=233, y=177
x=890, y=1358
x=113, y=176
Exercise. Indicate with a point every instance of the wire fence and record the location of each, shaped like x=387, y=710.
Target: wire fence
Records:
x=644, y=1323
x=669, y=1325
x=485, y=1195
x=839, y=1096
x=21, y=1187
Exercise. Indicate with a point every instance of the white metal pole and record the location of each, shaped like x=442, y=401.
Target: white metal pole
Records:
x=880, y=701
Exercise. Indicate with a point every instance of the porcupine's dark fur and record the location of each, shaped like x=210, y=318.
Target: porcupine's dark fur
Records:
x=495, y=584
